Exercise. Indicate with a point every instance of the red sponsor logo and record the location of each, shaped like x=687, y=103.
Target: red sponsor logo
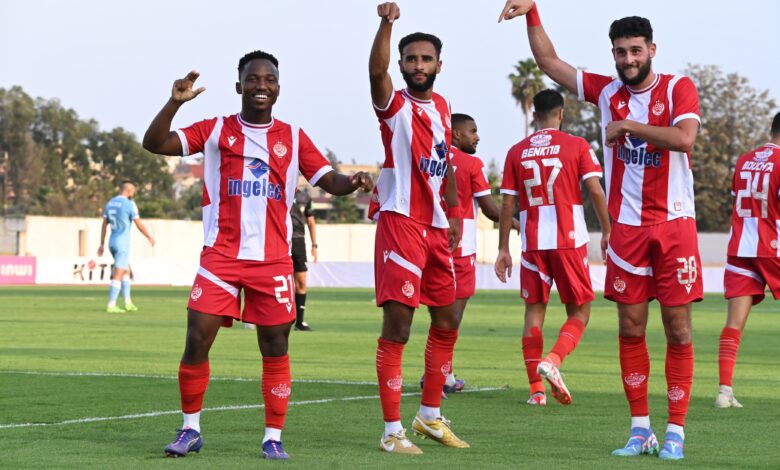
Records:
x=17, y=270
x=395, y=383
x=634, y=379
x=281, y=391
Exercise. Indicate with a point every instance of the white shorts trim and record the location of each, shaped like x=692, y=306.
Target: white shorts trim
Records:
x=535, y=268
x=626, y=266
x=211, y=277
x=400, y=261
x=745, y=272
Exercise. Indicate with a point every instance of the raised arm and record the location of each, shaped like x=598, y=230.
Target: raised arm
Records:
x=542, y=48
x=600, y=205
x=379, y=61
x=159, y=138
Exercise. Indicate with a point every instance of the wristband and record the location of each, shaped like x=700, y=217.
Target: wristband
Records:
x=314, y=245
x=532, y=17
x=453, y=212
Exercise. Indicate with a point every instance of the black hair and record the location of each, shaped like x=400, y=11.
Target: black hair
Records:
x=631, y=27
x=459, y=118
x=776, y=125
x=414, y=37
x=124, y=182
x=546, y=102
x=256, y=55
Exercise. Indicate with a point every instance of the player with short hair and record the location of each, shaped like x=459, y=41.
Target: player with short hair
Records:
x=650, y=122
x=753, y=252
x=302, y=216
x=251, y=165
x=415, y=234
x=473, y=191
x=120, y=213
x=544, y=172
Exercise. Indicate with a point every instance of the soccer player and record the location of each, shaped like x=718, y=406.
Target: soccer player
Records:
x=544, y=172
x=302, y=216
x=251, y=165
x=650, y=122
x=473, y=191
x=120, y=213
x=753, y=251
x=415, y=235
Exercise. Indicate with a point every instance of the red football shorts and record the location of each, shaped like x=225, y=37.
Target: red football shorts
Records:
x=655, y=261
x=750, y=276
x=568, y=268
x=465, y=276
x=412, y=263
x=269, y=297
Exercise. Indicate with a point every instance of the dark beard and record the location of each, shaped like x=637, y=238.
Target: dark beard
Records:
x=419, y=87
x=642, y=74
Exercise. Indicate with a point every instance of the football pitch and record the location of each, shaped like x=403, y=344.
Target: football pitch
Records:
x=80, y=388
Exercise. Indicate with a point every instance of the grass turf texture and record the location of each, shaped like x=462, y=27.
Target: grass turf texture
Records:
x=65, y=330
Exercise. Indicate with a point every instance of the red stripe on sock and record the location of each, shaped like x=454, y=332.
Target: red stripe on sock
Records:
x=276, y=384
x=389, y=356
x=193, y=382
x=635, y=371
x=727, y=354
x=568, y=338
x=679, y=377
x=532, y=353
x=438, y=364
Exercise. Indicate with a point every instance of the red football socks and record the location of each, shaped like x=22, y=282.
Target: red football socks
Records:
x=532, y=353
x=679, y=377
x=193, y=382
x=635, y=370
x=438, y=364
x=568, y=338
x=389, y=355
x=727, y=354
x=276, y=389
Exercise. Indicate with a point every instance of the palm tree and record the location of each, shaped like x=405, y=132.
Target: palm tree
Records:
x=527, y=82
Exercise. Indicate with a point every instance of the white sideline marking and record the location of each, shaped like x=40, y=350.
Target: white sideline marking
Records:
x=173, y=377
x=153, y=414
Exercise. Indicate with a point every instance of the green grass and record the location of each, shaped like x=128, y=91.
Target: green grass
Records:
x=56, y=331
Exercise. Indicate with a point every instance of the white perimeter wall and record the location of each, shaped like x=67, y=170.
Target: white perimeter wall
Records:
x=346, y=253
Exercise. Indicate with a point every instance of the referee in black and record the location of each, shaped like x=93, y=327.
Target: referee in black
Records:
x=302, y=215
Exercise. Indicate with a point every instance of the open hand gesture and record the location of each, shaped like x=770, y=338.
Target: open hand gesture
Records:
x=182, y=89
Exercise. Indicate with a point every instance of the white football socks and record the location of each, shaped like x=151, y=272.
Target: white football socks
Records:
x=192, y=421
x=640, y=422
x=272, y=434
x=450, y=380
x=679, y=430
x=428, y=413
x=392, y=426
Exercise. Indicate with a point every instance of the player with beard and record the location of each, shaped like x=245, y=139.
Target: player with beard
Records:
x=650, y=121
x=416, y=230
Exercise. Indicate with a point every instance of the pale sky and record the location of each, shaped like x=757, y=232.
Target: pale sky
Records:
x=115, y=61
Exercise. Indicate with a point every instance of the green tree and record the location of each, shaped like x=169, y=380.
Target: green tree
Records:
x=735, y=119
x=527, y=81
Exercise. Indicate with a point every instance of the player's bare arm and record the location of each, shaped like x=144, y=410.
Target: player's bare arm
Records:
x=144, y=232
x=542, y=47
x=503, y=266
x=600, y=205
x=158, y=137
x=340, y=185
x=312, y=224
x=488, y=207
x=379, y=61
x=679, y=137
x=103, y=230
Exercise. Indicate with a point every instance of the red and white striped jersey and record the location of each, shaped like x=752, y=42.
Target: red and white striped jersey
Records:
x=646, y=185
x=416, y=135
x=544, y=171
x=472, y=183
x=755, y=219
x=250, y=173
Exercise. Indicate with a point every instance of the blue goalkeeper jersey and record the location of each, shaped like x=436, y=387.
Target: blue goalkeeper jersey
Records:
x=120, y=213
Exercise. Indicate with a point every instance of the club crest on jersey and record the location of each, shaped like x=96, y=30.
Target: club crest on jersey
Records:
x=658, y=108
x=619, y=285
x=280, y=149
x=634, y=152
x=676, y=393
x=281, y=391
x=196, y=293
x=762, y=156
x=541, y=140
x=407, y=289
x=259, y=187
